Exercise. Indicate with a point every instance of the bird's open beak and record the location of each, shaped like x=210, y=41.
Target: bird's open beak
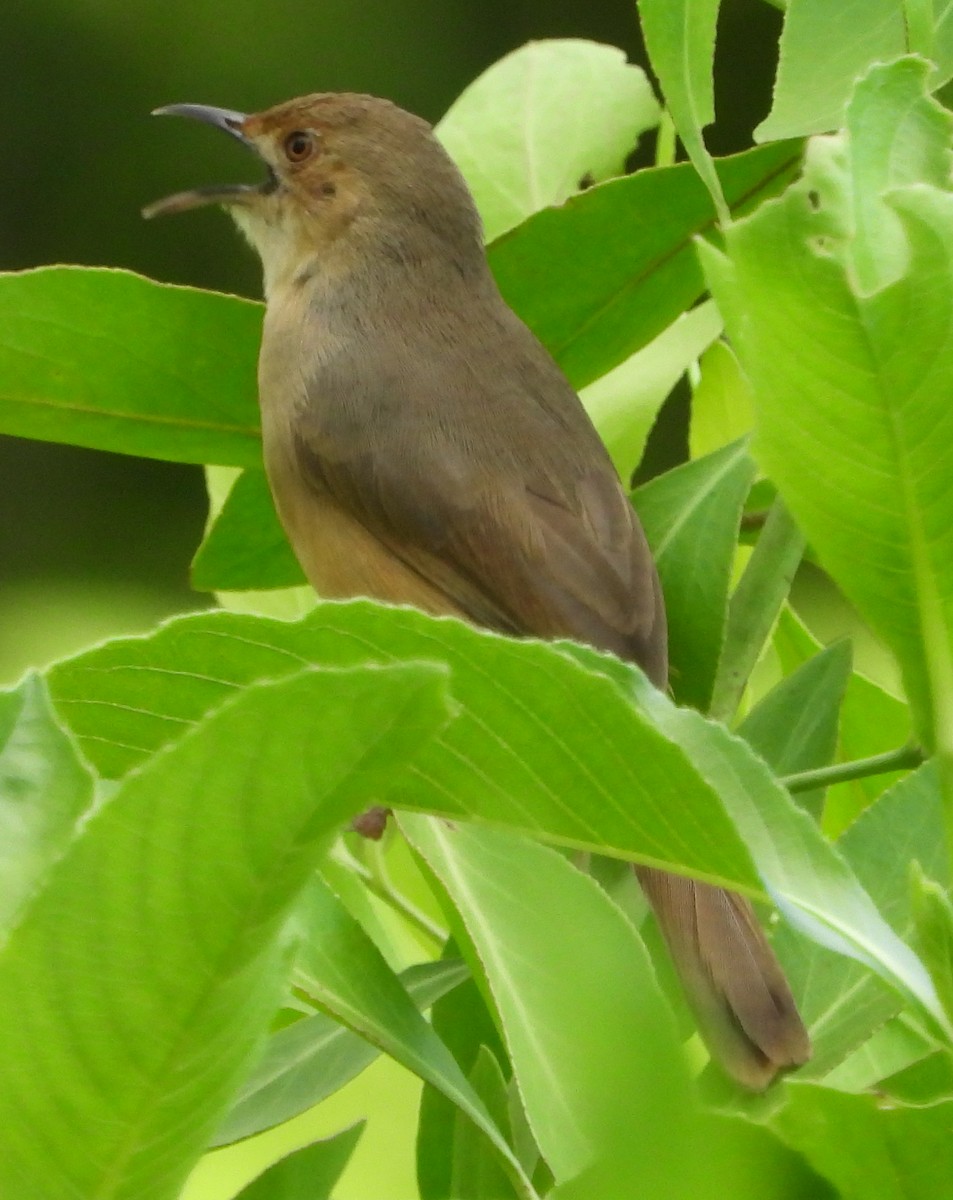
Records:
x=232, y=123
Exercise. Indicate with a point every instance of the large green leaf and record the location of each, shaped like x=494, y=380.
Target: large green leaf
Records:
x=539, y=121
x=877, y=366
x=537, y=745
x=587, y=1030
x=691, y=517
x=44, y=792
x=603, y=275
x=825, y=47
x=111, y=360
x=152, y=960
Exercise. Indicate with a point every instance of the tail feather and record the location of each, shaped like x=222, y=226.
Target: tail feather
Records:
x=734, y=982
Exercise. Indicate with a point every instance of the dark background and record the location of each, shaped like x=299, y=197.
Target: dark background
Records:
x=91, y=543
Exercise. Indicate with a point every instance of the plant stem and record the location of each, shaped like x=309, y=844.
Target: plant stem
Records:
x=665, y=141
x=379, y=884
x=901, y=759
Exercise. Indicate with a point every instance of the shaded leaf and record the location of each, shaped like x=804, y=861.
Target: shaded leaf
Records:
x=308, y=1061
x=246, y=546
x=841, y=1003
x=347, y=975
x=476, y=1172
x=794, y=727
x=690, y=516
x=602, y=276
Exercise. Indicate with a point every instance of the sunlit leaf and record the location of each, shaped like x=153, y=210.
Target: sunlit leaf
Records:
x=111, y=360
x=538, y=122
x=153, y=956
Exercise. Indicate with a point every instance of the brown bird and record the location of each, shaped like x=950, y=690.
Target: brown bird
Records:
x=424, y=448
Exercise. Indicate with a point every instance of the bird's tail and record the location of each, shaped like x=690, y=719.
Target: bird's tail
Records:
x=734, y=982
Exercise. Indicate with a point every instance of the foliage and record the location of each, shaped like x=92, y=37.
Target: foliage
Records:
x=192, y=954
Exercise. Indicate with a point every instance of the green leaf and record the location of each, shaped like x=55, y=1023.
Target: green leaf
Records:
x=878, y=368
x=284, y=603
x=462, y=1022
x=45, y=791
x=812, y=884
x=842, y=1003
x=600, y=277
x=924, y=1082
x=794, y=727
x=754, y=607
x=826, y=47
x=347, y=975
x=536, y=745
x=871, y=722
x=111, y=360
x=722, y=408
x=246, y=546
x=587, y=1030
x=542, y=119
x=508, y=762
x=680, y=38
x=476, y=1172
x=315, y=1057
x=869, y=1151
x=307, y=1174
x=690, y=516
x=152, y=959
x=624, y=403
x=889, y=1050
x=933, y=932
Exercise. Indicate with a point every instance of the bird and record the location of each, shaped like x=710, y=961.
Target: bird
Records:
x=424, y=448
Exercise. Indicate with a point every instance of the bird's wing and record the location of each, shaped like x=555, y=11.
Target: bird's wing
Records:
x=482, y=499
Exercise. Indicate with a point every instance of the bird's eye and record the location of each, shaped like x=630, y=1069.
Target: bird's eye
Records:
x=298, y=146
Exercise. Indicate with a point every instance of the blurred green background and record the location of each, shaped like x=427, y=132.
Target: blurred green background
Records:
x=93, y=544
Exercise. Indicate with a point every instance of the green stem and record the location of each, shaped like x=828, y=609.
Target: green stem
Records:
x=378, y=883
x=665, y=140
x=754, y=607
x=901, y=759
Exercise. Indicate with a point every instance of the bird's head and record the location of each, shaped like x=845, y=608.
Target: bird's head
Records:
x=342, y=171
